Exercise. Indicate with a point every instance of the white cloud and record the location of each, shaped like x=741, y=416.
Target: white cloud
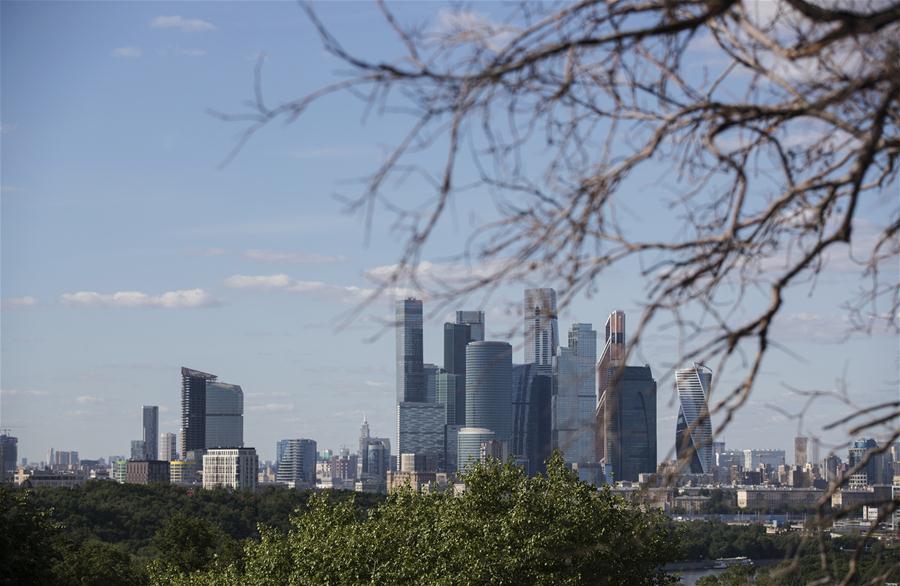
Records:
x=26, y=301
x=191, y=52
x=22, y=393
x=7, y=128
x=375, y=383
x=465, y=26
x=187, y=25
x=88, y=400
x=341, y=293
x=272, y=407
x=127, y=52
x=292, y=257
x=182, y=299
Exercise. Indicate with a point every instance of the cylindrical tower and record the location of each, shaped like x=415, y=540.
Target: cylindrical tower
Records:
x=489, y=387
x=469, y=447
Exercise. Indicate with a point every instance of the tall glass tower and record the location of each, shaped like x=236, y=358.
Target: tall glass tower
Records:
x=631, y=425
x=693, y=432
x=410, y=373
x=193, y=409
x=224, y=415
x=489, y=388
x=612, y=357
x=541, y=327
x=574, y=399
x=151, y=431
x=475, y=320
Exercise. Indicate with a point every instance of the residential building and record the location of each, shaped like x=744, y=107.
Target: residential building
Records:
x=297, y=463
x=168, y=446
x=410, y=369
x=183, y=472
x=541, y=327
x=234, y=468
x=573, y=401
x=693, y=431
x=531, y=405
x=489, y=387
x=147, y=472
x=118, y=470
x=630, y=423
x=62, y=459
x=150, y=416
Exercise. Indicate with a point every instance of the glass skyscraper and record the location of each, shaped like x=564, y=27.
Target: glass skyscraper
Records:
x=410, y=373
x=541, y=327
x=693, y=431
x=612, y=356
x=420, y=430
x=193, y=409
x=150, y=415
x=631, y=424
x=574, y=396
x=475, y=321
x=469, y=440
x=489, y=387
x=297, y=462
x=531, y=417
x=224, y=415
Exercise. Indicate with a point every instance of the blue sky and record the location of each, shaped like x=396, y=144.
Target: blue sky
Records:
x=111, y=184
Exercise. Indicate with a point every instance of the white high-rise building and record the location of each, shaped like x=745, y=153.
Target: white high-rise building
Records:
x=541, y=327
x=573, y=423
x=168, y=446
x=693, y=431
x=234, y=468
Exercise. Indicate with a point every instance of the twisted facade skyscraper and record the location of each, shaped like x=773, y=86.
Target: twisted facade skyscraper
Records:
x=693, y=432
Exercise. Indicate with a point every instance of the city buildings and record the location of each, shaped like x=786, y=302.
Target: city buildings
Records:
x=531, y=406
x=234, y=468
x=769, y=459
x=574, y=397
x=9, y=458
x=62, y=459
x=475, y=321
x=469, y=442
x=224, y=407
x=147, y=472
x=193, y=409
x=541, y=328
x=612, y=356
x=420, y=431
x=450, y=391
x=297, y=463
x=150, y=416
x=410, y=367
x=138, y=450
x=693, y=431
x=801, y=451
x=489, y=388
x=32, y=478
x=168, y=446
x=630, y=423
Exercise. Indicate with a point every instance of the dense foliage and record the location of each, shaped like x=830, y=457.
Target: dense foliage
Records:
x=504, y=528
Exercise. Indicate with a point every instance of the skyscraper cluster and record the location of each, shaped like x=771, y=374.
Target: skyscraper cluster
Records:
x=597, y=411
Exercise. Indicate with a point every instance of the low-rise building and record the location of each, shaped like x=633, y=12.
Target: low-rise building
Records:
x=31, y=478
x=764, y=498
x=147, y=472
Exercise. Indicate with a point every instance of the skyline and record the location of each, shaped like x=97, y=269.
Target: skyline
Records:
x=242, y=271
